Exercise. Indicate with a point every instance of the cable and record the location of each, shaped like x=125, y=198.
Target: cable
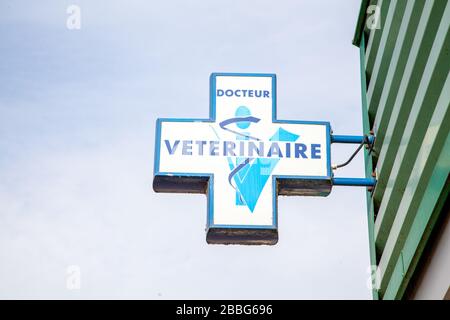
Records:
x=365, y=141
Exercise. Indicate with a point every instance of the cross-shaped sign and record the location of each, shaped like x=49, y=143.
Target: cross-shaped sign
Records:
x=242, y=157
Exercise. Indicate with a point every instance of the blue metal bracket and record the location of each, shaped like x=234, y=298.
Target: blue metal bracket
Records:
x=355, y=182
x=351, y=139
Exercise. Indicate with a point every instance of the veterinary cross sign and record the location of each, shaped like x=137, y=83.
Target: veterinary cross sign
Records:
x=243, y=157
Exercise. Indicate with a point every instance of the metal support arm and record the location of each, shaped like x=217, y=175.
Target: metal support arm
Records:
x=351, y=139
x=361, y=140
x=355, y=182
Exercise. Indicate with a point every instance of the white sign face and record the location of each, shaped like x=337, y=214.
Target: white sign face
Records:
x=242, y=158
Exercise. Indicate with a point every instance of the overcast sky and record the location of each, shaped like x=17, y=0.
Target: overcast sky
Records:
x=77, y=118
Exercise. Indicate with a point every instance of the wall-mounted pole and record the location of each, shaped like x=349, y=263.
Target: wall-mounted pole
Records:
x=356, y=182
x=351, y=139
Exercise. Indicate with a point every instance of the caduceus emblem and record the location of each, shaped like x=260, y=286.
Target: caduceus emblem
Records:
x=249, y=175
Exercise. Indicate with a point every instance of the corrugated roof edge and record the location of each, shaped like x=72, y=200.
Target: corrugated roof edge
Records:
x=361, y=23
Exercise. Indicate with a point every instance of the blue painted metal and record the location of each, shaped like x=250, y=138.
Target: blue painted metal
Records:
x=351, y=139
x=355, y=182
